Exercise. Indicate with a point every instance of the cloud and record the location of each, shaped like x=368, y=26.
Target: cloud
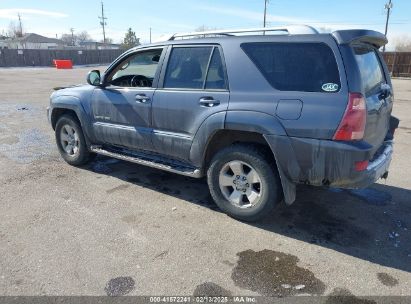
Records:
x=26, y=13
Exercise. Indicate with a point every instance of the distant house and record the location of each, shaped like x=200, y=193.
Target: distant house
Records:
x=3, y=44
x=93, y=45
x=34, y=41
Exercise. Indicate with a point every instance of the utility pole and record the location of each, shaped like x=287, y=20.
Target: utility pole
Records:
x=103, y=22
x=265, y=12
x=72, y=36
x=20, y=34
x=388, y=7
x=150, y=34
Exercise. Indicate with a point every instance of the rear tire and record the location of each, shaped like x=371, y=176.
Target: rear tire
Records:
x=244, y=182
x=71, y=142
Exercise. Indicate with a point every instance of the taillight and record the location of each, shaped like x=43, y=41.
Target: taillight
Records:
x=352, y=125
x=362, y=165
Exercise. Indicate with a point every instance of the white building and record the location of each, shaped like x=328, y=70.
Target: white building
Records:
x=34, y=41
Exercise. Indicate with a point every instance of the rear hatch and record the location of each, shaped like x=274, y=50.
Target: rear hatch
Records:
x=377, y=91
x=368, y=77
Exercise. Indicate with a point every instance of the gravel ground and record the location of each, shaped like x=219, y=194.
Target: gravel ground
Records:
x=115, y=228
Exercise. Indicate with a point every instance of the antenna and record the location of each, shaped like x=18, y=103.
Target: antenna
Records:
x=103, y=22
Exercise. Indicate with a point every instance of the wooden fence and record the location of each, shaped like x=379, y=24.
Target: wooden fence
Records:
x=20, y=58
x=399, y=63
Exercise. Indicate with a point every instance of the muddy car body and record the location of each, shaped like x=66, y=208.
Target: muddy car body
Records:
x=256, y=114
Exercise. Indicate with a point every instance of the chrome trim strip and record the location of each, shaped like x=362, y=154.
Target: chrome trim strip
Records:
x=386, y=154
x=156, y=132
x=172, y=134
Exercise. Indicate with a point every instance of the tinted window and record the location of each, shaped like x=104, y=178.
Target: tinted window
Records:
x=216, y=75
x=370, y=68
x=187, y=67
x=306, y=67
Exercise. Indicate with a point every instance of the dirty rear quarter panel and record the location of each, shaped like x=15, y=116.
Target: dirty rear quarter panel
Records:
x=249, y=90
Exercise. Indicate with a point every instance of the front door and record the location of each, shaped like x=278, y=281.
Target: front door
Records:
x=193, y=87
x=122, y=108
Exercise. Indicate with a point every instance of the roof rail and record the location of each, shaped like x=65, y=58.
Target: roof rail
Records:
x=291, y=29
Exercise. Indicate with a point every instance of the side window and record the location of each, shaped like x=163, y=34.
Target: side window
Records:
x=137, y=70
x=305, y=67
x=187, y=67
x=216, y=75
x=370, y=69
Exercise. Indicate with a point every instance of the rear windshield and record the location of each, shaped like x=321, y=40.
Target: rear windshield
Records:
x=370, y=68
x=306, y=67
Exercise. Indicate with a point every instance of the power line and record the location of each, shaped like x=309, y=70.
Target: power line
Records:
x=388, y=7
x=103, y=22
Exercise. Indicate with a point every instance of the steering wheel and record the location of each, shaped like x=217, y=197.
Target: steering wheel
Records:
x=140, y=81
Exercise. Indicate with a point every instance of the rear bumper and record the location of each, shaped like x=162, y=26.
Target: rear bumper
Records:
x=329, y=163
x=376, y=169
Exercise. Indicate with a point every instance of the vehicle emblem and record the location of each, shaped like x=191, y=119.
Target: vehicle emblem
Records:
x=330, y=87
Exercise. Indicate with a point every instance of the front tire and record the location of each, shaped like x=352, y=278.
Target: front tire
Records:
x=71, y=142
x=244, y=182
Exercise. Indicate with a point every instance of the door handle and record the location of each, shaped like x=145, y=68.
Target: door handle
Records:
x=142, y=98
x=208, y=102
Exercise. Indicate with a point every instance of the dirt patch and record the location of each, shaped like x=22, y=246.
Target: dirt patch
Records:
x=274, y=274
x=320, y=227
x=119, y=286
x=344, y=296
x=387, y=279
x=211, y=289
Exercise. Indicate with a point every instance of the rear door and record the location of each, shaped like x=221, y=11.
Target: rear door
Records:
x=193, y=86
x=377, y=93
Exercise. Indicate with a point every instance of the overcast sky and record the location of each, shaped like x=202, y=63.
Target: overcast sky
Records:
x=55, y=17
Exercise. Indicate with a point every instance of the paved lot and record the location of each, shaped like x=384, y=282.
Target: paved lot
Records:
x=118, y=228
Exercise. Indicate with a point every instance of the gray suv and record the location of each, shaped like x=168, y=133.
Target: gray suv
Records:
x=256, y=111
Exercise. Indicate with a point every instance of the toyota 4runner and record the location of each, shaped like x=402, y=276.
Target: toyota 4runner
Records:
x=256, y=111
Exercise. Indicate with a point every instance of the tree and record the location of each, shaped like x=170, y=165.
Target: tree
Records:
x=108, y=40
x=14, y=30
x=83, y=36
x=403, y=44
x=130, y=40
x=75, y=39
x=68, y=39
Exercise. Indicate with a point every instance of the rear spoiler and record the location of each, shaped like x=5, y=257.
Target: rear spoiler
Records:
x=366, y=36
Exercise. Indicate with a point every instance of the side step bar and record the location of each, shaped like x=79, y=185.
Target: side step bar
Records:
x=153, y=162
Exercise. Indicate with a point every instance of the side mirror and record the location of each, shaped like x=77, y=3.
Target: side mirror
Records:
x=94, y=78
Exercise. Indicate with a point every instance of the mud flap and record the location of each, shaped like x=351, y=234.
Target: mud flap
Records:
x=289, y=187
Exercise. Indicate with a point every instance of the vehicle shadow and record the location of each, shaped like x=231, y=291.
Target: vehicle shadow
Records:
x=372, y=224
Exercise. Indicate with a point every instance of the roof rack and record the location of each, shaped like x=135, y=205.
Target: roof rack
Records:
x=290, y=29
